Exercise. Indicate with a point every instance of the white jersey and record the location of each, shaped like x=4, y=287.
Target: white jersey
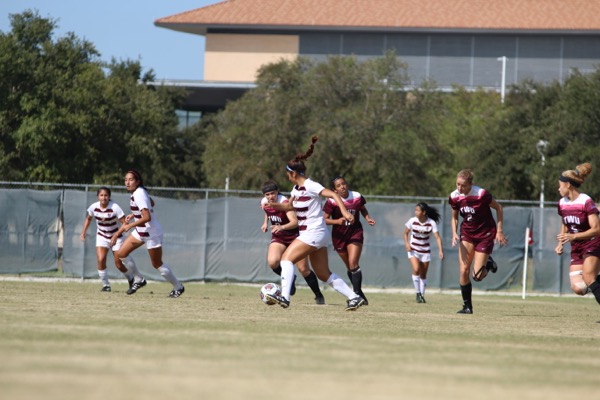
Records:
x=307, y=204
x=420, y=233
x=107, y=219
x=141, y=200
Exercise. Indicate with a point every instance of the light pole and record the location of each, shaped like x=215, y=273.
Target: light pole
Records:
x=541, y=148
x=503, y=84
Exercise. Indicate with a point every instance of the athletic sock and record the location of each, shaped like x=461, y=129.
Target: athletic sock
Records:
x=287, y=277
x=132, y=270
x=595, y=289
x=356, y=279
x=423, y=285
x=340, y=286
x=466, y=291
x=313, y=283
x=103, y=274
x=169, y=277
x=417, y=283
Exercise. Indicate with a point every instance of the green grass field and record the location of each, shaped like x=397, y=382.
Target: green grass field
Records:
x=68, y=340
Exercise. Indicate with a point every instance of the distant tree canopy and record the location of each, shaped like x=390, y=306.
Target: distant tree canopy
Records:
x=67, y=117
x=389, y=141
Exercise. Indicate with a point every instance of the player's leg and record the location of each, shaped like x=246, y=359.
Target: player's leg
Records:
x=465, y=258
x=320, y=262
x=154, y=246
x=415, y=264
x=591, y=269
x=424, y=267
x=311, y=280
x=101, y=253
x=355, y=273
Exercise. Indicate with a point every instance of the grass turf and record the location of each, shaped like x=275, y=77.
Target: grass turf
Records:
x=68, y=340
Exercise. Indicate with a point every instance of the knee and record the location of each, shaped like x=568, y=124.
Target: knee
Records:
x=577, y=284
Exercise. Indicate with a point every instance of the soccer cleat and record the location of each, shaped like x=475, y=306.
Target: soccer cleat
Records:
x=320, y=299
x=491, y=265
x=465, y=310
x=354, y=303
x=293, y=289
x=282, y=301
x=423, y=299
x=176, y=293
x=135, y=286
x=419, y=298
x=105, y=288
x=130, y=282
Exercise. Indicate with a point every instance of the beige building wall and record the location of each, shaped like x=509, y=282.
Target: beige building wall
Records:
x=236, y=58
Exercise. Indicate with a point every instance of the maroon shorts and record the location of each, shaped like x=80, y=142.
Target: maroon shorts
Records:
x=482, y=243
x=340, y=243
x=285, y=240
x=582, y=249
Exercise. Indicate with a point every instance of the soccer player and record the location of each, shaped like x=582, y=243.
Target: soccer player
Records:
x=478, y=232
x=147, y=231
x=314, y=235
x=284, y=229
x=348, y=237
x=417, y=232
x=108, y=215
x=580, y=227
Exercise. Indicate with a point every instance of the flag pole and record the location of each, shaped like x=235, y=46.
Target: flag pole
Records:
x=525, y=261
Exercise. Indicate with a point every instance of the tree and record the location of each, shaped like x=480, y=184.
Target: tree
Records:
x=65, y=116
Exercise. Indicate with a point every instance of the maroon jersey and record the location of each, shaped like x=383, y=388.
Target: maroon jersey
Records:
x=574, y=216
x=280, y=218
x=477, y=220
x=341, y=235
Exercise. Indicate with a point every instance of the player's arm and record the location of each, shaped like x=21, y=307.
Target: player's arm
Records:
x=407, y=240
x=454, y=223
x=365, y=213
x=559, y=246
x=290, y=225
x=86, y=225
x=438, y=239
x=500, y=238
x=338, y=200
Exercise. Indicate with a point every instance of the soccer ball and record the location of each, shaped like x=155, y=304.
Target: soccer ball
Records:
x=269, y=288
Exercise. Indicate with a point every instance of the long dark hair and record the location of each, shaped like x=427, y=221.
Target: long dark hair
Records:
x=297, y=164
x=430, y=212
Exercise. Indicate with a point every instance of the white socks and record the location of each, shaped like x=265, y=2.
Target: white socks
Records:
x=340, y=286
x=168, y=275
x=287, y=277
x=103, y=274
x=417, y=283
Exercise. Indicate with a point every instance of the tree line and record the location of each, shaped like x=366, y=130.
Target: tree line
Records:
x=65, y=116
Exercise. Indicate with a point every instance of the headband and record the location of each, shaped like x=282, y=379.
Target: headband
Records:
x=563, y=178
x=271, y=187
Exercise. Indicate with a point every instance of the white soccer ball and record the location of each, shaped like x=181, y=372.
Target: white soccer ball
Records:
x=269, y=288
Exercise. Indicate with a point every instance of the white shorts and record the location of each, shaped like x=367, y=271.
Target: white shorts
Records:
x=152, y=242
x=316, y=238
x=423, y=257
x=101, y=241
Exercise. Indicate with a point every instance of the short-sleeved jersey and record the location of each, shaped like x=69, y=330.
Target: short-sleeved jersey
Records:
x=574, y=216
x=575, y=213
x=474, y=208
x=107, y=219
x=354, y=203
x=420, y=232
x=307, y=203
x=141, y=200
x=279, y=218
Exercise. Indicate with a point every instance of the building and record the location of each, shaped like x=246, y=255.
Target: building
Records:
x=450, y=42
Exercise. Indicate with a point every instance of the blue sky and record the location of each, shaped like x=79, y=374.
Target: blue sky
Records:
x=124, y=29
